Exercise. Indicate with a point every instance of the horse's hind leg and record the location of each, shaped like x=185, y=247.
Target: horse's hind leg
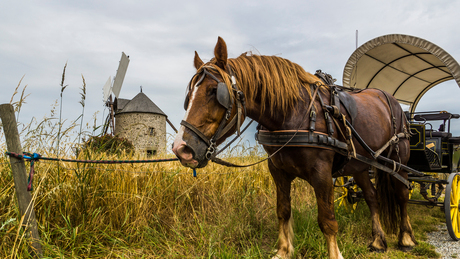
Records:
x=406, y=238
x=379, y=243
x=283, y=210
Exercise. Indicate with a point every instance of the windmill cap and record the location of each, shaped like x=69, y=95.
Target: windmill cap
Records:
x=139, y=104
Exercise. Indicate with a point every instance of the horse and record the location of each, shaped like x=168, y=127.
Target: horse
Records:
x=281, y=96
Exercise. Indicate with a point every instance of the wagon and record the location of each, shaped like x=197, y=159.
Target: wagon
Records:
x=407, y=67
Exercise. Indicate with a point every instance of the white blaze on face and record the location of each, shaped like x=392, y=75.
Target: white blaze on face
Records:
x=179, y=137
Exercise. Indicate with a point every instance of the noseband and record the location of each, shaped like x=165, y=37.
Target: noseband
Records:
x=225, y=99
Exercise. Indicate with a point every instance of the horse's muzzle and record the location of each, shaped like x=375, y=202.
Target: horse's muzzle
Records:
x=191, y=153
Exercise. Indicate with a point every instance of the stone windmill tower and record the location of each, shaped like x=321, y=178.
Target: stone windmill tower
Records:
x=142, y=122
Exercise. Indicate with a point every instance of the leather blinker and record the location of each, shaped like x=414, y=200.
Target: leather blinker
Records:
x=223, y=96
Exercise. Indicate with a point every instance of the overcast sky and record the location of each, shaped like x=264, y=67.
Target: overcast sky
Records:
x=37, y=38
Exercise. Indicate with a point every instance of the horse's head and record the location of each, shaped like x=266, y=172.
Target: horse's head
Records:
x=214, y=110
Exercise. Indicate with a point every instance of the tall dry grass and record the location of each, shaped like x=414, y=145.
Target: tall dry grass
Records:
x=150, y=210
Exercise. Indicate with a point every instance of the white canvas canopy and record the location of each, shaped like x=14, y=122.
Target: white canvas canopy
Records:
x=403, y=65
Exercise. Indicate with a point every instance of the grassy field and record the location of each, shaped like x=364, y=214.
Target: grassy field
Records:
x=159, y=210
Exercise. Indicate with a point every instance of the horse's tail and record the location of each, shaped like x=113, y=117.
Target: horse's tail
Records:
x=388, y=205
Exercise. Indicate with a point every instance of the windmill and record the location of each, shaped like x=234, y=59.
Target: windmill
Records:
x=108, y=89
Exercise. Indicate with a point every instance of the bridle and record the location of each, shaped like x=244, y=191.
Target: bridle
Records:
x=225, y=99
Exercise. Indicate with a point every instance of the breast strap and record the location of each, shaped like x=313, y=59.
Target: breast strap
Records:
x=303, y=138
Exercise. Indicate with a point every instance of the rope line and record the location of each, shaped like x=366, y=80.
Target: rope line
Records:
x=240, y=170
x=35, y=157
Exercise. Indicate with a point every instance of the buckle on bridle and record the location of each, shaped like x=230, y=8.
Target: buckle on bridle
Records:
x=211, y=150
x=228, y=114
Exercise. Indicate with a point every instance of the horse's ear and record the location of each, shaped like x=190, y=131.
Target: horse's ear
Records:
x=197, y=62
x=220, y=52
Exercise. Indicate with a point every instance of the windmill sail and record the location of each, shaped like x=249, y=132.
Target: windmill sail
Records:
x=120, y=74
x=107, y=89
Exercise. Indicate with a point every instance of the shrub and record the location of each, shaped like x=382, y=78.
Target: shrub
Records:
x=109, y=144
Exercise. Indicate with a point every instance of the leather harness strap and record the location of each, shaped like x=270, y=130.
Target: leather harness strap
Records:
x=196, y=131
x=304, y=138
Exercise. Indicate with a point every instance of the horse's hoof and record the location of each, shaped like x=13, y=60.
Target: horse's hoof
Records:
x=277, y=256
x=376, y=250
x=405, y=248
x=377, y=247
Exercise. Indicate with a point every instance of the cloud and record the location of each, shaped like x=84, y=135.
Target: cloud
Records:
x=38, y=38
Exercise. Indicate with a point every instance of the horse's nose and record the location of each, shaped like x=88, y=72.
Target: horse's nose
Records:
x=182, y=151
x=185, y=154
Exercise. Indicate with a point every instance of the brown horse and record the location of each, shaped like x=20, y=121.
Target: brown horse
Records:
x=277, y=93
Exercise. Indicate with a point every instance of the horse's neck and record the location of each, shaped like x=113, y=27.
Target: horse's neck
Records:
x=278, y=120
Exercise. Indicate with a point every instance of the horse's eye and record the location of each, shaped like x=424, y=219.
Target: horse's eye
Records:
x=213, y=91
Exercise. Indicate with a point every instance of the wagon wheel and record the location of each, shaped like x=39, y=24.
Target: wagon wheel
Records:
x=451, y=202
x=345, y=197
x=411, y=191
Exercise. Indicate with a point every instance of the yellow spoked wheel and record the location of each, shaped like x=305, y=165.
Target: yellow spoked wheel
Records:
x=451, y=202
x=346, y=191
x=411, y=191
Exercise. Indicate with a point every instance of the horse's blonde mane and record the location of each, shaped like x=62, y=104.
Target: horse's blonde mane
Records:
x=278, y=81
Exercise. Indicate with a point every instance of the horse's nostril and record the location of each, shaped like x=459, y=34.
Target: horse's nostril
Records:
x=187, y=150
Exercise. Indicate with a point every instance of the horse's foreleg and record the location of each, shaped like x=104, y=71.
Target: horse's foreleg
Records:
x=322, y=183
x=378, y=243
x=283, y=210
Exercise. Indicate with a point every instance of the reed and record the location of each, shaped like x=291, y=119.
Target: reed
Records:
x=82, y=102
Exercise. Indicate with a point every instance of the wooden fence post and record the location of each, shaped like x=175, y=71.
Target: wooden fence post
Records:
x=26, y=205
